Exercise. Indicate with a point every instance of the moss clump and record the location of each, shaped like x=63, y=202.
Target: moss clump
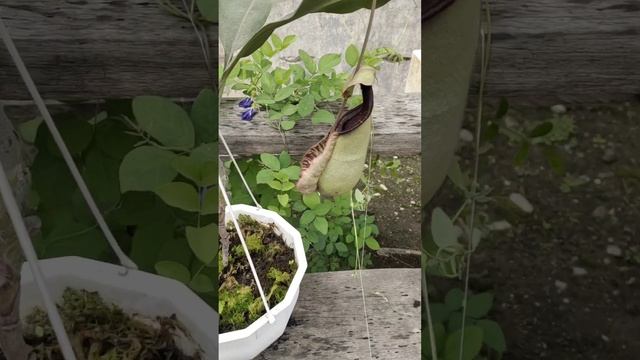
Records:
x=239, y=301
x=103, y=331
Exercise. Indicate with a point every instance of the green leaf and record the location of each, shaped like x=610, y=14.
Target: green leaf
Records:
x=327, y=62
x=323, y=117
x=442, y=229
x=321, y=225
x=323, y=209
x=147, y=242
x=292, y=172
x=270, y=161
x=306, y=105
x=284, y=93
x=311, y=200
x=264, y=176
x=283, y=199
x=493, y=335
x=277, y=41
x=479, y=305
x=204, y=114
x=287, y=125
x=210, y=203
x=285, y=159
x=165, y=121
x=307, y=217
x=289, y=109
x=179, y=195
x=145, y=168
x=341, y=247
x=351, y=55
x=173, y=270
x=241, y=20
x=453, y=299
x=29, y=130
x=203, y=242
x=288, y=40
x=308, y=61
x=541, y=130
x=208, y=9
x=554, y=159
x=471, y=347
x=372, y=243
x=202, y=284
x=76, y=133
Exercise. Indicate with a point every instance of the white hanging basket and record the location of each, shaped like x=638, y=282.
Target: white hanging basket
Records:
x=249, y=342
x=137, y=292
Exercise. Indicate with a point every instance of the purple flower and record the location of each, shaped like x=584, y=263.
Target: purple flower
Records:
x=249, y=114
x=245, y=103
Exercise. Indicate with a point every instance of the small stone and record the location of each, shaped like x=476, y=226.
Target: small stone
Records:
x=578, y=271
x=606, y=261
x=466, y=135
x=501, y=225
x=597, y=181
x=631, y=281
x=560, y=285
x=614, y=250
x=599, y=212
x=605, y=338
x=521, y=202
x=559, y=109
x=609, y=156
x=566, y=300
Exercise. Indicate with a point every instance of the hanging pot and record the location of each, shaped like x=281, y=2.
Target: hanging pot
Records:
x=249, y=342
x=135, y=292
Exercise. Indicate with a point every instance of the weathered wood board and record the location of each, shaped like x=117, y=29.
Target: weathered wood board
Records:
x=567, y=50
x=95, y=49
x=396, y=129
x=328, y=320
x=546, y=50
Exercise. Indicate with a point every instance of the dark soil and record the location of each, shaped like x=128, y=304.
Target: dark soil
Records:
x=276, y=254
x=566, y=277
x=397, y=212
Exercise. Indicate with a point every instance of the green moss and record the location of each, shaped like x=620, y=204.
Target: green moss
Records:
x=239, y=301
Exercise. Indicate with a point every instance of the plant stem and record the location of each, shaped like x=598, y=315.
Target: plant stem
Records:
x=485, y=54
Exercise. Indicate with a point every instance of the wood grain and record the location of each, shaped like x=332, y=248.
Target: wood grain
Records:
x=95, y=49
x=567, y=50
x=396, y=129
x=328, y=320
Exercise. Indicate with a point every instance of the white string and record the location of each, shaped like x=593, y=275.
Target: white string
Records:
x=233, y=160
x=270, y=316
x=84, y=190
x=13, y=210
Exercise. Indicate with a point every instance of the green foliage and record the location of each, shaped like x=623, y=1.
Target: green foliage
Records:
x=483, y=338
x=291, y=93
x=545, y=136
x=151, y=169
x=246, y=31
x=326, y=225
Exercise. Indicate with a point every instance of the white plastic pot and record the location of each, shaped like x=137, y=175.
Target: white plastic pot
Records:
x=136, y=292
x=249, y=342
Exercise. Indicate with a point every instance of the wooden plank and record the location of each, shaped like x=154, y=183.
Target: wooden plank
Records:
x=328, y=320
x=396, y=132
x=94, y=49
x=568, y=50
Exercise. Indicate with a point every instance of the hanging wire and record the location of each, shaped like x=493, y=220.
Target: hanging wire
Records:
x=234, y=219
x=233, y=160
x=13, y=210
x=44, y=112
